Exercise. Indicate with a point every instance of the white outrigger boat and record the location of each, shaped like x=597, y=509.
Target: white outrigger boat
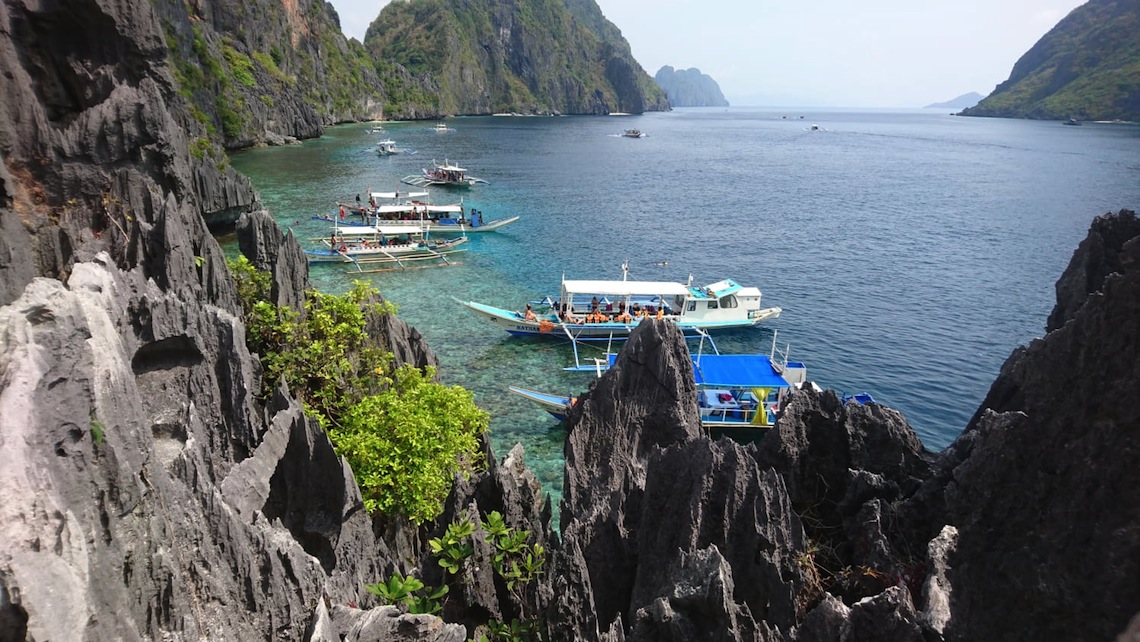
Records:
x=387, y=148
x=634, y=133
x=612, y=309
x=382, y=248
x=407, y=208
x=446, y=173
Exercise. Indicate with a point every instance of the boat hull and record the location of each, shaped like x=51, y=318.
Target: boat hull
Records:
x=515, y=324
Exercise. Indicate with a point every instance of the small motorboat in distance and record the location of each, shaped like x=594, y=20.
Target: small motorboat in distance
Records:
x=441, y=128
x=1072, y=121
x=634, y=133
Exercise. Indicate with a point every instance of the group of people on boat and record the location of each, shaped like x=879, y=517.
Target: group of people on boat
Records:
x=600, y=314
x=448, y=175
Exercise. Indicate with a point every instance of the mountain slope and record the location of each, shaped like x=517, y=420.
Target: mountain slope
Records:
x=487, y=56
x=689, y=88
x=1088, y=67
x=961, y=102
x=260, y=70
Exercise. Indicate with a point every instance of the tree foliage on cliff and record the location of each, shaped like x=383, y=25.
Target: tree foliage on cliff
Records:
x=1088, y=67
x=262, y=65
x=405, y=435
x=487, y=56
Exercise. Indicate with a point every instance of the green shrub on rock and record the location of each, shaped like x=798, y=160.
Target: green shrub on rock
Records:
x=405, y=435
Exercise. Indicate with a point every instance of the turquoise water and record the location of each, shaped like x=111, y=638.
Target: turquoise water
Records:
x=910, y=251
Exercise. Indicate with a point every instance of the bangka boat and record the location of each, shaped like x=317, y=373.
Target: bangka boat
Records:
x=387, y=148
x=414, y=208
x=612, y=309
x=739, y=395
x=446, y=173
x=633, y=133
x=441, y=128
x=381, y=248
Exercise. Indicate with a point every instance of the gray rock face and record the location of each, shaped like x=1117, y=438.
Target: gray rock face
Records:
x=1099, y=255
x=1042, y=483
x=159, y=501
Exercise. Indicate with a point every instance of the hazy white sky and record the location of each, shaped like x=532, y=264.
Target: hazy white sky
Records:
x=874, y=53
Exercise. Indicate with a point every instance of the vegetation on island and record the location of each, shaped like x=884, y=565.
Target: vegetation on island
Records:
x=490, y=56
x=405, y=435
x=1087, y=67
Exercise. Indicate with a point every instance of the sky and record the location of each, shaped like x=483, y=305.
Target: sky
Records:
x=837, y=53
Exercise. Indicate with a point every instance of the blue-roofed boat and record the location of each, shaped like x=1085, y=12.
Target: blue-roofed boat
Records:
x=738, y=395
x=612, y=309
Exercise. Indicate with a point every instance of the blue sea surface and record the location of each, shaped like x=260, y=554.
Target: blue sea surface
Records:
x=911, y=251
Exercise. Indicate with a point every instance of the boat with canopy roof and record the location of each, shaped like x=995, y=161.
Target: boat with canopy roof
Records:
x=611, y=309
x=413, y=208
x=738, y=395
x=446, y=173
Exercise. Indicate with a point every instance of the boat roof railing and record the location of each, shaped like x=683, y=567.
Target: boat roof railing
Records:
x=625, y=288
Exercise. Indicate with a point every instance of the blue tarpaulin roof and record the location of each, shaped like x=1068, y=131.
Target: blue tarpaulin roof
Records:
x=737, y=371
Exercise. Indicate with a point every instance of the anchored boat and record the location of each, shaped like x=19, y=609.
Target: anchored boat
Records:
x=738, y=395
x=446, y=173
x=413, y=208
x=383, y=248
x=609, y=309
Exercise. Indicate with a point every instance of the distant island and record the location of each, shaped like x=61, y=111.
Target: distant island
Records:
x=689, y=88
x=964, y=101
x=1087, y=67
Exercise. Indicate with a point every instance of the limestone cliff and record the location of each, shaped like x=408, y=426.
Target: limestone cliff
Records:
x=689, y=88
x=1086, y=67
x=489, y=56
x=266, y=70
x=147, y=493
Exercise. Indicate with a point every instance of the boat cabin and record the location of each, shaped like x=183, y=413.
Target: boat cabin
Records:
x=721, y=301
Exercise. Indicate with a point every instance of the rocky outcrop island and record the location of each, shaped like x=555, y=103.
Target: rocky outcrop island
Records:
x=160, y=482
x=689, y=88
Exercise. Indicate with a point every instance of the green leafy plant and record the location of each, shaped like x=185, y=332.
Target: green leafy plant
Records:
x=404, y=590
x=98, y=431
x=408, y=442
x=405, y=435
x=513, y=631
x=454, y=547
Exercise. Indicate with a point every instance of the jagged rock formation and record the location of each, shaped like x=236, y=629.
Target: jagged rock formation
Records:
x=147, y=493
x=689, y=88
x=1023, y=529
x=489, y=56
x=1086, y=67
x=266, y=71
x=964, y=101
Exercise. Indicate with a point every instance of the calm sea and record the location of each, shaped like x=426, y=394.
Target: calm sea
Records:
x=910, y=251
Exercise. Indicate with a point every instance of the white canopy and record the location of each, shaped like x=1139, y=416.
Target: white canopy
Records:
x=395, y=195
x=386, y=230
x=409, y=207
x=625, y=288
